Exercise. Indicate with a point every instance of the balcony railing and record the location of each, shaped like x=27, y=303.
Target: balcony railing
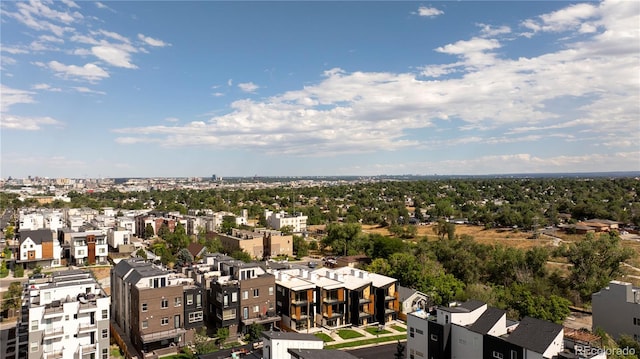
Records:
x=388, y=298
x=332, y=315
x=88, y=348
x=364, y=300
x=331, y=300
x=84, y=327
x=299, y=301
x=53, y=312
x=52, y=332
x=56, y=354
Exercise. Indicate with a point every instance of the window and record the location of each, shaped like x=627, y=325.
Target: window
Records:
x=144, y=307
x=245, y=294
x=514, y=354
x=195, y=317
x=177, y=302
x=145, y=324
x=446, y=319
x=165, y=321
x=101, y=251
x=34, y=325
x=498, y=355
x=47, y=296
x=165, y=303
x=245, y=312
x=105, y=333
x=256, y=308
x=434, y=337
x=176, y=321
x=234, y=297
x=225, y=302
x=419, y=331
x=198, y=300
x=229, y=314
x=189, y=299
x=105, y=314
x=105, y=353
x=270, y=290
x=256, y=292
x=34, y=346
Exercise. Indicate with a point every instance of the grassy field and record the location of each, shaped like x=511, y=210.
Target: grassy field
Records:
x=375, y=331
x=325, y=338
x=348, y=334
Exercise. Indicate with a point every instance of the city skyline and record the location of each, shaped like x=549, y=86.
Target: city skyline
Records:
x=182, y=89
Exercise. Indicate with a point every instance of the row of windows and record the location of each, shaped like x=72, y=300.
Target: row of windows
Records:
x=245, y=295
x=164, y=321
x=177, y=301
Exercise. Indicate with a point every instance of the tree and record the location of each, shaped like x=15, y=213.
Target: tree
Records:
x=300, y=246
x=148, y=231
x=399, y=354
x=202, y=343
x=141, y=253
x=228, y=224
x=241, y=255
x=18, y=271
x=222, y=335
x=12, y=298
x=184, y=257
x=443, y=228
x=254, y=331
x=9, y=232
x=595, y=262
x=286, y=230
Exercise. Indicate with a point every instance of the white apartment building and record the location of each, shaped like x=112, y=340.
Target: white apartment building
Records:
x=128, y=223
x=276, y=345
x=64, y=316
x=31, y=221
x=281, y=219
x=88, y=247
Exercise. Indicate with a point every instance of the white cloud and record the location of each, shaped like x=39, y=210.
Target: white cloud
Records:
x=465, y=47
x=11, y=122
x=490, y=31
x=569, y=18
x=83, y=89
x=429, y=11
x=101, y=5
x=89, y=72
x=151, y=41
x=70, y=4
x=45, y=87
x=11, y=96
x=248, y=87
x=172, y=119
x=113, y=56
x=217, y=94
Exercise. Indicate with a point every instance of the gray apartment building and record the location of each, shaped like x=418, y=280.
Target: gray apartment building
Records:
x=616, y=309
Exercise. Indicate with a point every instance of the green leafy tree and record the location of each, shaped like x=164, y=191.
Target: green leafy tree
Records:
x=444, y=229
x=228, y=224
x=18, y=271
x=300, y=246
x=222, y=334
x=595, y=262
x=4, y=271
x=202, y=343
x=286, y=230
x=254, y=331
x=241, y=255
x=148, y=231
x=184, y=257
x=141, y=253
x=9, y=232
x=12, y=298
x=399, y=354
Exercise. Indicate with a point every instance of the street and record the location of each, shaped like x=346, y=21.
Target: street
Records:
x=385, y=351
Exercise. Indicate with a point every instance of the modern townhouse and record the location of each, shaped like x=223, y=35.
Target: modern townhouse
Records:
x=334, y=297
x=64, y=316
x=118, y=236
x=473, y=330
x=157, y=309
x=38, y=247
x=84, y=247
x=241, y=294
x=616, y=309
x=296, y=300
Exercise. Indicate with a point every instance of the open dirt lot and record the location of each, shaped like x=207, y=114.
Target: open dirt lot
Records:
x=487, y=236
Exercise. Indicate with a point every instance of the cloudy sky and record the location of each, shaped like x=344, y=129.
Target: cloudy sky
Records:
x=142, y=88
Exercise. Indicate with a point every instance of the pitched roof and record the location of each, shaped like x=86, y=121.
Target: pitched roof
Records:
x=487, y=320
x=534, y=334
x=195, y=249
x=465, y=307
x=405, y=292
x=38, y=236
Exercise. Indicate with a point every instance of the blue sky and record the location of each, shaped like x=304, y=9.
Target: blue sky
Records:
x=164, y=88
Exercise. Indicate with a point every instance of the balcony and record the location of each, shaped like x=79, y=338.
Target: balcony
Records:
x=87, y=349
x=363, y=315
x=52, y=312
x=299, y=301
x=364, y=300
x=53, y=332
x=331, y=300
x=87, y=307
x=56, y=354
x=388, y=298
x=389, y=311
x=167, y=334
x=332, y=315
x=86, y=327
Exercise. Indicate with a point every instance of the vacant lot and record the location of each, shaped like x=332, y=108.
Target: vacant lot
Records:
x=508, y=237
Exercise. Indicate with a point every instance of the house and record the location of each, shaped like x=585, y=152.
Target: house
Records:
x=259, y=244
x=87, y=247
x=196, y=249
x=616, y=309
x=65, y=315
x=412, y=300
x=473, y=330
x=38, y=247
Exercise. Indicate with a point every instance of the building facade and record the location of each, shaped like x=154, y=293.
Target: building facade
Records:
x=64, y=316
x=616, y=309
